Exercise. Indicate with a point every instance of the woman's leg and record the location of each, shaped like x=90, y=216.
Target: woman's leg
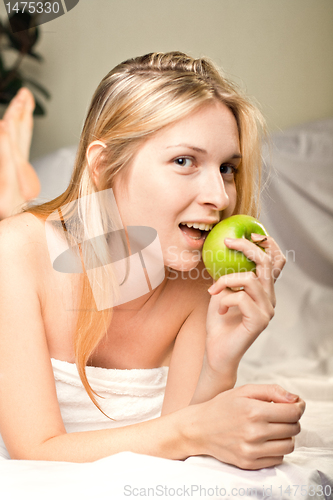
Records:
x=19, y=119
x=10, y=194
x=18, y=179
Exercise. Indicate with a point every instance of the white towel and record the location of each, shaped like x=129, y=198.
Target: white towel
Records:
x=127, y=396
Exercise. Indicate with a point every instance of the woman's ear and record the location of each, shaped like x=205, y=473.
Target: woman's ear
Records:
x=93, y=151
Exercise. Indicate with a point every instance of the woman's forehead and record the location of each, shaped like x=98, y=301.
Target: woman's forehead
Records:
x=199, y=130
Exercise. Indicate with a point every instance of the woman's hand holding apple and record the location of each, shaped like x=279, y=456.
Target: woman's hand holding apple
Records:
x=242, y=304
x=236, y=318
x=243, y=427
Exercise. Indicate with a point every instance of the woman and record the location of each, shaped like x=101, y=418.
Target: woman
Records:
x=178, y=145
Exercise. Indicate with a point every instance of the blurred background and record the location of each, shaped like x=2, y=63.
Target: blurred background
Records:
x=279, y=51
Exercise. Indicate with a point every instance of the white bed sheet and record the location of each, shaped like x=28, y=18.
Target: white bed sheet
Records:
x=304, y=475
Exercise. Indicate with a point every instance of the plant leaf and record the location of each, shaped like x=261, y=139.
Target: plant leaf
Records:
x=12, y=86
x=2, y=67
x=10, y=89
x=39, y=109
x=35, y=56
x=22, y=32
x=39, y=87
x=4, y=98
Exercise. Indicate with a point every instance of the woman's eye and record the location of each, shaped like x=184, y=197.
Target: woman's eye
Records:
x=227, y=168
x=183, y=162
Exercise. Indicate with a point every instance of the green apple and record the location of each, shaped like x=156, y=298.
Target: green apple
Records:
x=218, y=258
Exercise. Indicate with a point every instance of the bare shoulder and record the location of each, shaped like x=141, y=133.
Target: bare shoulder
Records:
x=21, y=225
x=20, y=233
x=23, y=246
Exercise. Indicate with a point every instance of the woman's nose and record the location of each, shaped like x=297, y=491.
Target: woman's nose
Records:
x=213, y=191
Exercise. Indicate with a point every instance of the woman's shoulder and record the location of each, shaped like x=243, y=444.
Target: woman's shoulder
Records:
x=22, y=237
x=23, y=227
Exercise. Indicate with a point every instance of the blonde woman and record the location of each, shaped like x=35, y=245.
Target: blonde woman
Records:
x=176, y=144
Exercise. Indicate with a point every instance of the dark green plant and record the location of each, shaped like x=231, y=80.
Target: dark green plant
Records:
x=22, y=40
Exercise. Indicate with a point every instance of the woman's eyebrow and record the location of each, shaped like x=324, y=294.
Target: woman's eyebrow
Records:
x=200, y=150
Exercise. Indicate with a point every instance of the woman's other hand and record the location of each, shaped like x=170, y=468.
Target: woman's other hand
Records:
x=252, y=426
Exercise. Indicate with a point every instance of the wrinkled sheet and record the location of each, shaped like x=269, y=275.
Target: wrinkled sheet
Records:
x=296, y=351
x=129, y=475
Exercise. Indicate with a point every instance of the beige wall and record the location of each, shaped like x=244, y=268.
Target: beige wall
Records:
x=280, y=51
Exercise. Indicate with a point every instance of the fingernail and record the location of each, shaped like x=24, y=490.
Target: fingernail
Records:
x=291, y=397
x=228, y=240
x=259, y=238
x=211, y=289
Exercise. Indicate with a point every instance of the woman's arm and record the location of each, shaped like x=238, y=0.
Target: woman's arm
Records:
x=241, y=307
x=222, y=327
x=188, y=371
x=240, y=427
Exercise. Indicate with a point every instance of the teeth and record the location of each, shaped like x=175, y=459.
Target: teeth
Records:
x=197, y=225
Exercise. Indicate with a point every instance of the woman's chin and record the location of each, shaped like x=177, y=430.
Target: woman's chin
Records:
x=182, y=266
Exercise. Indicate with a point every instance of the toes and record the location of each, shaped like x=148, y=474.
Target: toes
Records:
x=15, y=139
x=16, y=175
x=8, y=174
x=23, y=103
x=14, y=110
x=28, y=99
x=19, y=117
x=4, y=141
x=28, y=103
x=10, y=196
x=28, y=180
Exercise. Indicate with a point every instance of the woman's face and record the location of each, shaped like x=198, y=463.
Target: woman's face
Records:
x=185, y=173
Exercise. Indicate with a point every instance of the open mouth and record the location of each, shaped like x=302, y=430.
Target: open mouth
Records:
x=195, y=231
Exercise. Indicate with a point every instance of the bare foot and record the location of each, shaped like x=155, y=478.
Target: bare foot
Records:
x=10, y=193
x=19, y=120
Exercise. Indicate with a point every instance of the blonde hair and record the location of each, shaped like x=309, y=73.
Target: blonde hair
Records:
x=135, y=100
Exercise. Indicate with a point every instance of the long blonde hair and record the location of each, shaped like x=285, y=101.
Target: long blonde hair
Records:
x=135, y=100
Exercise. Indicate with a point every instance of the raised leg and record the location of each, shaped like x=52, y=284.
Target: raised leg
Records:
x=10, y=193
x=18, y=179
